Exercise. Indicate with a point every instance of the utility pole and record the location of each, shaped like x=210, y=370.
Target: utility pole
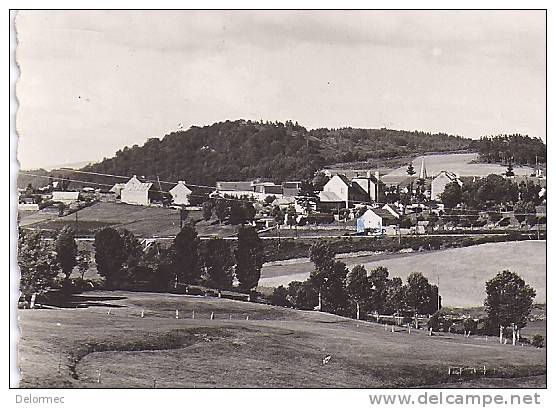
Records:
x=76, y=224
x=438, y=292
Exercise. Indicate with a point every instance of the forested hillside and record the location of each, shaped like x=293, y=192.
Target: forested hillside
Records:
x=237, y=150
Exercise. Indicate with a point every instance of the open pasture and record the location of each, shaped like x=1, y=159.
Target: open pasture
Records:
x=275, y=347
x=460, y=163
x=461, y=272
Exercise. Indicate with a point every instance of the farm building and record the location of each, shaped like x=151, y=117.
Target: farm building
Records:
x=440, y=182
x=180, y=193
x=66, y=197
x=340, y=192
x=283, y=202
x=370, y=184
x=234, y=186
x=291, y=188
x=117, y=189
x=136, y=192
x=267, y=188
x=391, y=208
x=422, y=227
x=375, y=220
x=106, y=196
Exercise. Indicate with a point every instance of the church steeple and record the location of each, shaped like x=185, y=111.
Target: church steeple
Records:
x=423, y=171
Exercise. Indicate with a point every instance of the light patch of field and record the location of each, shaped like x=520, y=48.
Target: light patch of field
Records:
x=276, y=347
x=462, y=271
x=459, y=163
x=142, y=221
x=32, y=217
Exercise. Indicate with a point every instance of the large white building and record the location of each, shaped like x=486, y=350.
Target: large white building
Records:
x=440, y=182
x=136, y=192
x=340, y=191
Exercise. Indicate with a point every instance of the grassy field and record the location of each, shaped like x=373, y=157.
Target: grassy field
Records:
x=460, y=163
x=142, y=221
x=276, y=347
x=462, y=271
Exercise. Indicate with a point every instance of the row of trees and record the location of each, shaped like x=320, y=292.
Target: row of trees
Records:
x=505, y=148
x=234, y=211
x=490, y=192
x=121, y=260
x=332, y=288
x=123, y=263
x=41, y=263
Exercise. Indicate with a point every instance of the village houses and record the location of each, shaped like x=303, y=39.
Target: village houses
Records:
x=340, y=192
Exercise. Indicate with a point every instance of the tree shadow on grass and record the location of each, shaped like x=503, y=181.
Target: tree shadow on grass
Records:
x=79, y=301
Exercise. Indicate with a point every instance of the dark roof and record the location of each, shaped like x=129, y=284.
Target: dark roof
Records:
x=382, y=213
x=357, y=189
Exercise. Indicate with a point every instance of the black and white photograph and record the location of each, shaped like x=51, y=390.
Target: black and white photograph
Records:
x=280, y=199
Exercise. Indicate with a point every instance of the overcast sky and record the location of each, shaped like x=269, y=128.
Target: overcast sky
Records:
x=93, y=82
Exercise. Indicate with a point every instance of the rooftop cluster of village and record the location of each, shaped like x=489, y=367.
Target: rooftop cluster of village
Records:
x=364, y=201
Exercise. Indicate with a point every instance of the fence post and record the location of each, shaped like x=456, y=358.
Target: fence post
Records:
x=177, y=314
x=212, y=316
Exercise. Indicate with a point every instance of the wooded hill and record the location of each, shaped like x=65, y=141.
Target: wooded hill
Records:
x=239, y=150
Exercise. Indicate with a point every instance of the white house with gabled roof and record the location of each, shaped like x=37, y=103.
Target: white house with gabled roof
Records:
x=180, y=193
x=136, y=192
x=440, y=182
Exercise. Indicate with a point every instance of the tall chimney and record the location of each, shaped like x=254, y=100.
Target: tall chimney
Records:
x=377, y=175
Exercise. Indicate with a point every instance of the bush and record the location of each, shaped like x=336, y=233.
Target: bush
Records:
x=320, y=218
x=279, y=297
x=436, y=321
x=538, y=341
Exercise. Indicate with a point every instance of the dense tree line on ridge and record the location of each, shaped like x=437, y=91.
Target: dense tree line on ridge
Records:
x=516, y=148
x=240, y=150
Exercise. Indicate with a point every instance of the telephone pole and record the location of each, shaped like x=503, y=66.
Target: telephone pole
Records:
x=438, y=292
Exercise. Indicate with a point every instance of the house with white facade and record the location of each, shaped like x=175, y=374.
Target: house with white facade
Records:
x=440, y=182
x=136, y=192
x=375, y=220
x=340, y=192
x=66, y=197
x=180, y=193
